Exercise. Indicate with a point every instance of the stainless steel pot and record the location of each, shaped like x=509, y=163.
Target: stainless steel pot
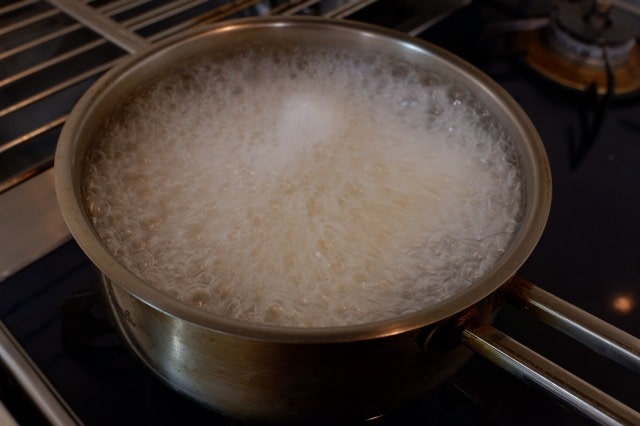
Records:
x=275, y=373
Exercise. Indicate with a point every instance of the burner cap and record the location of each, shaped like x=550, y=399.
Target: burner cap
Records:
x=582, y=30
x=593, y=24
x=574, y=49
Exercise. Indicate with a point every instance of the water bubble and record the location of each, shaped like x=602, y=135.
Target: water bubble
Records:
x=408, y=102
x=431, y=79
x=198, y=297
x=457, y=94
x=434, y=109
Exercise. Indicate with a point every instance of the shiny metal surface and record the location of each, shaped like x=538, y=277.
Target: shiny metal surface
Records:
x=528, y=365
x=34, y=383
x=595, y=333
x=5, y=417
x=600, y=336
x=578, y=74
x=31, y=224
x=289, y=379
x=103, y=98
x=276, y=373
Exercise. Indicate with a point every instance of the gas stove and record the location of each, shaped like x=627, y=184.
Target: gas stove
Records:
x=64, y=363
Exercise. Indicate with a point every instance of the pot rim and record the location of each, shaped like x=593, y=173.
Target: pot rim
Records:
x=69, y=193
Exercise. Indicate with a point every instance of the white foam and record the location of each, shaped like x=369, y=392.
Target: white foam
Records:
x=306, y=190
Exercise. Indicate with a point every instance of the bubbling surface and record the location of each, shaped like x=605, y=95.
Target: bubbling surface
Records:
x=308, y=188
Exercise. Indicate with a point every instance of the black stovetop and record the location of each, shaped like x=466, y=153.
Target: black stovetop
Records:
x=589, y=255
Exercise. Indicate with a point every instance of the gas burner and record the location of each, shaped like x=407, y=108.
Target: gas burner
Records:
x=586, y=44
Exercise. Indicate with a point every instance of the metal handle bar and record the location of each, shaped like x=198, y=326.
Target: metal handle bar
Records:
x=524, y=363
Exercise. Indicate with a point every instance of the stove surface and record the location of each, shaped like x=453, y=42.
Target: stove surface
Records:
x=588, y=255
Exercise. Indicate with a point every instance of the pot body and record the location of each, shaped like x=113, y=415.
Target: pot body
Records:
x=275, y=373
x=287, y=381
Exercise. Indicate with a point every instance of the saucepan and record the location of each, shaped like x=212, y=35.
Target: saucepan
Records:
x=297, y=374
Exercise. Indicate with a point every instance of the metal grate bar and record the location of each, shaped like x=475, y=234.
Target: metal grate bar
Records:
x=158, y=15
x=161, y=13
x=16, y=6
x=33, y=134
x=137, y=22
x=120, y=6
x=109, y=10
x=278, y=10
x=132, y=23
x=40, y=40
x=348, y=9
x=29, y=21
x=296, y=7
x=104, y=26
x=57, y=88
x=53, y=61
x=214, y=15
x=23, y=177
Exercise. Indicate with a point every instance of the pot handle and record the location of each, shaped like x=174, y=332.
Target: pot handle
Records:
x=526, y=364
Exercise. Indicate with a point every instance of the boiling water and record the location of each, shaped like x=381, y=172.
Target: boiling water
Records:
x=310, y=189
